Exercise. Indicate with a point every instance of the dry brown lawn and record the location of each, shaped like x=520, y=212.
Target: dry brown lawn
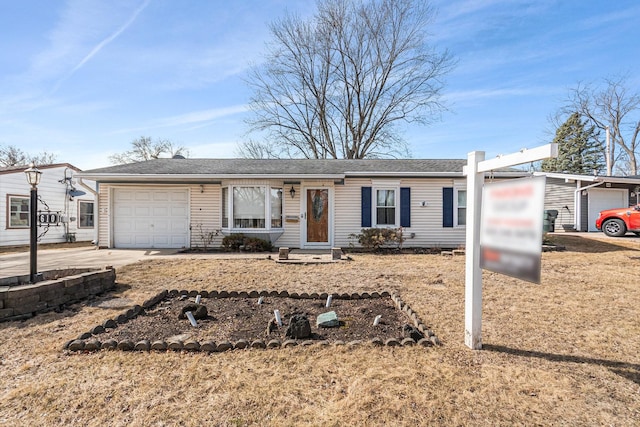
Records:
x=565, y=352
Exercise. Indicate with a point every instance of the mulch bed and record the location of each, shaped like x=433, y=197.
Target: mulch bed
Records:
x=240, y=318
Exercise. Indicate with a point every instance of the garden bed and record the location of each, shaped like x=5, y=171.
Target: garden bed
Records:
x=241, y=319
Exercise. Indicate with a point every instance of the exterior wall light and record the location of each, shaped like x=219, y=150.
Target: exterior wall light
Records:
x=292, y=192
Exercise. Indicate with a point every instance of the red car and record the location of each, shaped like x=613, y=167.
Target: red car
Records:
x=616, y=222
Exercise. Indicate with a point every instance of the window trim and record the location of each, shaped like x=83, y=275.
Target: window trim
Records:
x=374, y=206
x=8, y=216
x=456, y=222
x=93, y=213
x=267, y=208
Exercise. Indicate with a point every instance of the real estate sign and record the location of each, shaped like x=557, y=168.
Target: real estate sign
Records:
x=511, y=227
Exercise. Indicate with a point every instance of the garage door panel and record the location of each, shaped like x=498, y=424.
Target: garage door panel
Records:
x=161, y=196
x=151, y=218
x=126, y=211
x=161, y=241
x=123, y=196
x=161, y=226
x=178, y=211
x=125, y=226
x=178, y=242
x=141, y=211
x=179, y=197
x=142, y=241
x=141, y=196
x=177, y=226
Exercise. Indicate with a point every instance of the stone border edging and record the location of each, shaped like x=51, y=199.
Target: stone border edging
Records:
x=87, y=342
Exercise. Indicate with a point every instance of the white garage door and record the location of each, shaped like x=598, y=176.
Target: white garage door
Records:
x=601, y=199
x=156, y=218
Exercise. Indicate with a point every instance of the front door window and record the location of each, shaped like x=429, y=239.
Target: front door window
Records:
x=318, y=215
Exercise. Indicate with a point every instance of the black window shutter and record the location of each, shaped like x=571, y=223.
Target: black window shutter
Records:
x=405, y=207
x=447, y=207
x=366, y=207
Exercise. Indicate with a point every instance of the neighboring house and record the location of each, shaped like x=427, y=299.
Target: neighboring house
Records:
x=579, y=198
x=297, y=203
x=59, y=193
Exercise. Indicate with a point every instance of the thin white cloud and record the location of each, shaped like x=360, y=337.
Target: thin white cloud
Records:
x=109, y=39
x=607, y=19
x=192, y=118
x=102, y=44
x=467, y=98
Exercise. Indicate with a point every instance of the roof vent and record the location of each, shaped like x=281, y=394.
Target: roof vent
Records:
x=178, y=156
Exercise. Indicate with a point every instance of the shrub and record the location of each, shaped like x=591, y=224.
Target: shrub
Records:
x=232, y=242
x=375, y=239
x=207, y=237
x=254, y=244
x=238, y=241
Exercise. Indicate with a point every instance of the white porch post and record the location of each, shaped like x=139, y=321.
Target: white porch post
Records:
x=473, y=273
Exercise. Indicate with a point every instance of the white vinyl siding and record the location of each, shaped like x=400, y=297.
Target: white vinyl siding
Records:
x=426, y=221
x=291, y=213
x=104, y=216
x=205, y=215
x=559, y=195
x=52, y=191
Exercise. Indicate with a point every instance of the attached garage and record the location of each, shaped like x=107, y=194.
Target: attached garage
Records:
x=150, y=218
x=579, y=198
x=605, y=198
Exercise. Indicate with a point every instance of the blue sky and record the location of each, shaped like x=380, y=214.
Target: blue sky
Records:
x=83, y=78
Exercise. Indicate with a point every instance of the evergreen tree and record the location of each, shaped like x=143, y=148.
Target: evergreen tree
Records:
x=579, y=151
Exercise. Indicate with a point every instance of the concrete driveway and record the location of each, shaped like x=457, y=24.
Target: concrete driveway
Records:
x=16, y=264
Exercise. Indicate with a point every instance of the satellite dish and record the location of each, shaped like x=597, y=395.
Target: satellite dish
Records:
x=76, y=193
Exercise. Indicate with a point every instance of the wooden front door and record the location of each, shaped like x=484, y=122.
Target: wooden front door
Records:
x=318, y=215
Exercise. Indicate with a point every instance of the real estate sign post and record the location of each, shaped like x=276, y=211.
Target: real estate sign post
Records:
x=505, y=219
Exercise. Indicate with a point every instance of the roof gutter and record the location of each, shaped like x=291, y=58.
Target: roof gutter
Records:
x=89, y=189
x=200, y=178
x=589, y=178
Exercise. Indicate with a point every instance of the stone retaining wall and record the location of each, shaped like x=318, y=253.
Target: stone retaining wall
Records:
x=20, y=301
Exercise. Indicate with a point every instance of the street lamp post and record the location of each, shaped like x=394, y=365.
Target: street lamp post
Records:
x=33, y=178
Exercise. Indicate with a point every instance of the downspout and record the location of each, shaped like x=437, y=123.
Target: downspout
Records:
x=67, y=213
x=577, y=205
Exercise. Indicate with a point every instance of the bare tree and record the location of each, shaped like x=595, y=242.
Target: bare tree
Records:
x=615, y=107
x=337, y=85
x=258, y=150
x=13, y=156
x=144, y=148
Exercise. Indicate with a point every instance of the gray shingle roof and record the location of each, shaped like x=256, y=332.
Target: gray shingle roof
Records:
x=282, y=167
x=21, y=168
